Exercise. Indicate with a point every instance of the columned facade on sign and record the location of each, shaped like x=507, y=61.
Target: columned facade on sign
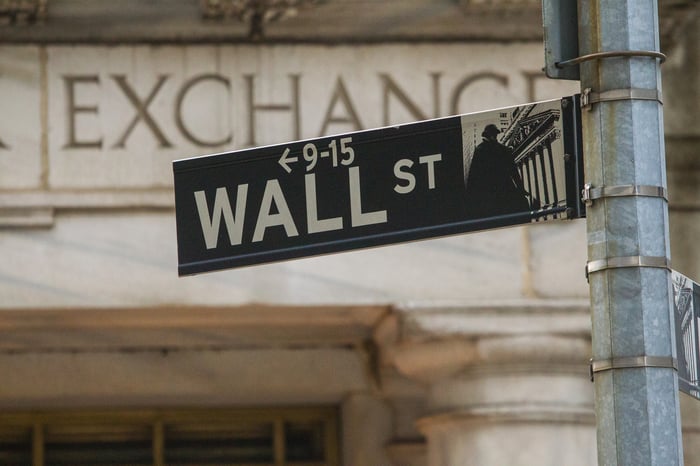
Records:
x=465, y=350
x=531, y=138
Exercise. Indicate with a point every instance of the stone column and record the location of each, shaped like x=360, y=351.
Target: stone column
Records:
x=511, y=389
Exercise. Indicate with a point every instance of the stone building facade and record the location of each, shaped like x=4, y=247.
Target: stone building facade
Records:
x=467, y=350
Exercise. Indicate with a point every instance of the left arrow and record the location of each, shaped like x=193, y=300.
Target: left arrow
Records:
x=284, y=160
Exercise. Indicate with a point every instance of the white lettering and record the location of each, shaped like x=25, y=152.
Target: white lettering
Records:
x=273, y=192
x=222, y=206
x=359, y=218
x=430, y=160
x=314, y=225
x=406, y=176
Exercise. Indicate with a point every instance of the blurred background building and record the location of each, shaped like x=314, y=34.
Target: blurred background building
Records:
x=468, y=350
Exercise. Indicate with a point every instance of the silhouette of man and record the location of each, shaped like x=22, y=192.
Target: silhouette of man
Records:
x=494, y=186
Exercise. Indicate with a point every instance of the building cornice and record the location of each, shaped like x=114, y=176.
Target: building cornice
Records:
x=317, y=21
x=428, y=342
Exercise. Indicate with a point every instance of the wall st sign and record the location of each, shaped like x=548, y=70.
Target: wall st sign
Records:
x=376, y=187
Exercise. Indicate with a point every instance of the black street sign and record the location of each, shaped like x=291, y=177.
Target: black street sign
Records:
x=560, y=25
x=369, y=188
x=686, y=300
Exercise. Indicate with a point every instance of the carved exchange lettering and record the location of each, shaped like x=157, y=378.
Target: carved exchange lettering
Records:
x=141, y=107
x=179, y=120
x=73, y=109
x=159, y=106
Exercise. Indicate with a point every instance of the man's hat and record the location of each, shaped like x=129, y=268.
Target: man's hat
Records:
x=490, y=130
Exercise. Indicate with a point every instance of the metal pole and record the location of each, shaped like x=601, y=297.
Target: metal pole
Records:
x=636, y=387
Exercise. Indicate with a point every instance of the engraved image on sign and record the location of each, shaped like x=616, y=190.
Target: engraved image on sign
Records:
x=686, y=300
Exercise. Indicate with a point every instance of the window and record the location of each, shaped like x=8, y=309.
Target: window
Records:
x=231, y=437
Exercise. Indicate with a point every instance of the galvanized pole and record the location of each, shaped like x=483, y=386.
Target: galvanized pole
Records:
x=636, y=386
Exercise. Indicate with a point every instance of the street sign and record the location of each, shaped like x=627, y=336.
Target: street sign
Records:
x=560, y=25
x=686, y=300
x=369, y=188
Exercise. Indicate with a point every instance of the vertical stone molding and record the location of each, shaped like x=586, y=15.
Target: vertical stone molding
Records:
x=690, y=426
x=512, y=396
x=366, y=429
x=406, y=454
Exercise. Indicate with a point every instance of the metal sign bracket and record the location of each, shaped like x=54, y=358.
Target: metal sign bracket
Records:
x=589, y=193
x=560, y=25
x=632, y=362
x=588, y=98
x=611, y=54
x=659, y=262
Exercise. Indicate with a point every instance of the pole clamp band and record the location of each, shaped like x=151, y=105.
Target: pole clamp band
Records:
x=632, y=363
x=658, y=262
x=611, y=54
x=589, y=193
x=588, y=97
